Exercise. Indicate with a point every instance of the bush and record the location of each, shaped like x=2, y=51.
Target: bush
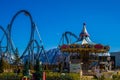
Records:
x=26, y=69
x=38, y=70
x=102, y=77
x=2, y=65
x=62, y=76
x=10, y=76
x=116, y=77
x=65, y=77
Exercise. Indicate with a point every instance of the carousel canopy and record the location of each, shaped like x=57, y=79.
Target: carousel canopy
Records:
x=84, y=36
x=84, y=44
x=84, y=31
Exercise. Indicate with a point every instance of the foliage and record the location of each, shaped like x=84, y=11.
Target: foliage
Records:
x=116, y=77
x=1, y=65
x=31, y=66
x=38, y=70
x=102, y=77
x=65, y=77
x=6, y=64
x=62, y=76
x=16, y=57
x=10, y=76
x=26, y=69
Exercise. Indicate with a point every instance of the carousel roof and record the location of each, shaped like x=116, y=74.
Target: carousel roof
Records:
x=84, y=44
x=84, y=31
x=84, y=37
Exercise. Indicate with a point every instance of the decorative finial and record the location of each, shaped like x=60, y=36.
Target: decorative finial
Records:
x=84, y=32
x=84, y=24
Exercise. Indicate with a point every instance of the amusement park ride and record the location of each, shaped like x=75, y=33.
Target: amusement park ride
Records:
x=34, y=48
x=80, y=48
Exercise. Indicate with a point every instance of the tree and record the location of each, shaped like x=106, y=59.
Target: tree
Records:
x=38, y=70
x=6, y=65
x=16, y=57
x=26, y=69
x=1, y=65
x=31, y=66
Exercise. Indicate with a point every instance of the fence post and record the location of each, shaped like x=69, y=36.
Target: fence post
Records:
x=44, y=76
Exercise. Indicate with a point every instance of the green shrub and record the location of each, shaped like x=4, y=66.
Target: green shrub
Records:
x=116, y=77
x=26, y=69
x=65, y=77
x=38, y=70
x=10, y=76
x=62, y=76
x=1, y=67
x=102, y=77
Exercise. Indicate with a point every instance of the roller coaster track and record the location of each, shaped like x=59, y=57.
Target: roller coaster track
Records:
x=66, y=36
x=10, y=28
x=32, y=41
x=65, y=39
x=1, y=39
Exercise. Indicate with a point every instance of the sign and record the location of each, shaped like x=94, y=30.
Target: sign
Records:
x=75, y=68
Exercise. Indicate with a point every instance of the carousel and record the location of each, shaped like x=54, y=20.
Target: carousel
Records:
x=84, y=51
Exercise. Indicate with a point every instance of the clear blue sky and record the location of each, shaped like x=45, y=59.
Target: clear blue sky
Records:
x=53, y=17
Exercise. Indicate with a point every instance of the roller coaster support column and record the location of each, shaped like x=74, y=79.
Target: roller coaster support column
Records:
x=32, y=46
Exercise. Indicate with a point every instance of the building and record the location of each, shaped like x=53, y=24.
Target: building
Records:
x=117, y=58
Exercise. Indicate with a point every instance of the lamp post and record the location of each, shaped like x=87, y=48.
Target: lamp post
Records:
x=81, y=69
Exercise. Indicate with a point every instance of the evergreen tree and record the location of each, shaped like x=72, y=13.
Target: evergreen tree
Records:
x=31, y=66
x=38, y=70
x=1, y=65
x=16, y=56
x=6, y=65
x=26, y=69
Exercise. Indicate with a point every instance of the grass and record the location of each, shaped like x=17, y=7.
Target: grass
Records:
x=67, y=76
x=49, y=75
x=10, y=76
x=61, y=76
